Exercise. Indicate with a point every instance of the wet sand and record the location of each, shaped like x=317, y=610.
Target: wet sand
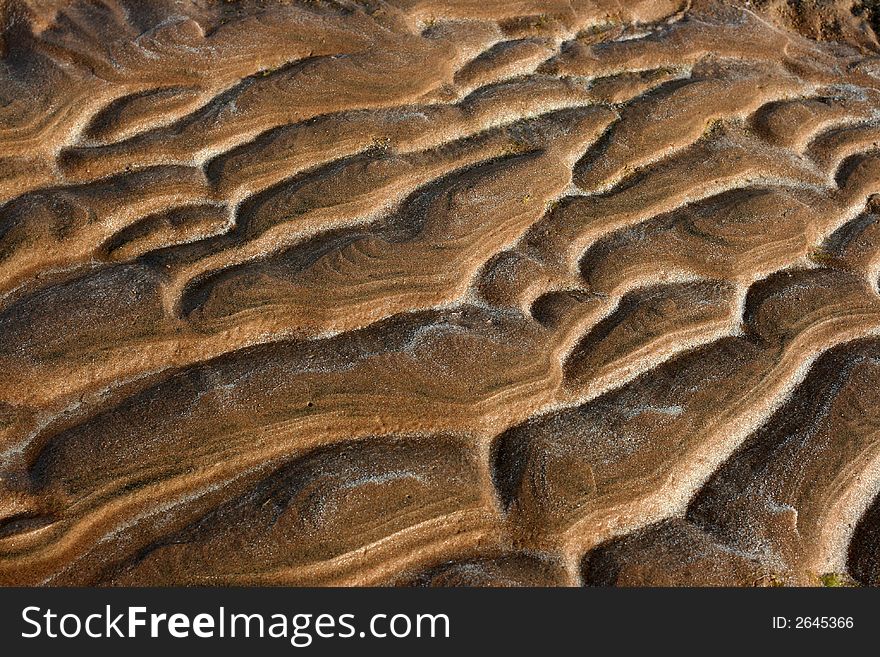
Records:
x=426, y=292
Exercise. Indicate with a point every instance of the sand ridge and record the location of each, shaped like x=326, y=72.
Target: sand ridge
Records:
x=429, y=292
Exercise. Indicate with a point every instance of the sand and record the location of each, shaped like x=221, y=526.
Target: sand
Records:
x=439, y=292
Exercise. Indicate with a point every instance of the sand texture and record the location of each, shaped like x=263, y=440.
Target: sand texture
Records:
x=439, y=292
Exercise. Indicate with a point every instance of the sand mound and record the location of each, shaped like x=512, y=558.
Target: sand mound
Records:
x=439, y=292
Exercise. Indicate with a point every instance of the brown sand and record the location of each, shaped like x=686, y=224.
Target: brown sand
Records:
x=484, y=292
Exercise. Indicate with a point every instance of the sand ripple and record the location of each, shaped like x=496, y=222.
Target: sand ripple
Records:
x=438, y=293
